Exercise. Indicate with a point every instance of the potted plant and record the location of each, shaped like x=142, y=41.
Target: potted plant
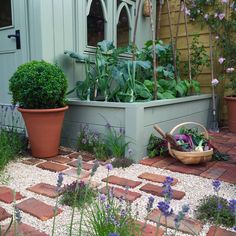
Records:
x=220, y=16
x=39, y=88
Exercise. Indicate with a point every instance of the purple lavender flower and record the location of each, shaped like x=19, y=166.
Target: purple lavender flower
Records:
x=123, y=213
x=165, y=208
x=167, y=190
x=59, y=181
x=109, y=166
x=113, y=234
x=150, y=203
x=219, y=206
x=221, y=16
x=180, y=216
x=232, y=206
x=102, y=198
x=18, y=216
x=216, y=185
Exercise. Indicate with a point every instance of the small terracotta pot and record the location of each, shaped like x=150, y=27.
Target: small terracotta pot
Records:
x=231, y=105
x=44, y=130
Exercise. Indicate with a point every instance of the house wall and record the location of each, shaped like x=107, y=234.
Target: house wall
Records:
x=205, y=77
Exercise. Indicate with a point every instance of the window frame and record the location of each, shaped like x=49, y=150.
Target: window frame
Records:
x=12, y=18
x=111, y=18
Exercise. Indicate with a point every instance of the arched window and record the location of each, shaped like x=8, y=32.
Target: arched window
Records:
x=123, y=29
x=95, y=24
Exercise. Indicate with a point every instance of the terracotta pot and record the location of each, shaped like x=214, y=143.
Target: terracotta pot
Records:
x=231, y=105
x=44, y=130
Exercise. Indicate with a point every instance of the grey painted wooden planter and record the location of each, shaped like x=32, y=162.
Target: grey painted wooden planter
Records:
x=136, y=118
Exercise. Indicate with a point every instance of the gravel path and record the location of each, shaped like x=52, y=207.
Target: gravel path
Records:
x=23, y=176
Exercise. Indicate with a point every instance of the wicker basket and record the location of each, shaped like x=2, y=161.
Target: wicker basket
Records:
x=189, y=158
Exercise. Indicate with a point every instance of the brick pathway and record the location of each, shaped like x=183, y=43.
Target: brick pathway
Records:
x=225, y=170
x=130, y=190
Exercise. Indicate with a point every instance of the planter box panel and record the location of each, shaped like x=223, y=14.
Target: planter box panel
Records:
x=137, y=118
x=95, y=115
x=171, y=111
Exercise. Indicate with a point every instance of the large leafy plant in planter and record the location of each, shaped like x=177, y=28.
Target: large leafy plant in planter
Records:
x=110, y=77
x=39, y=88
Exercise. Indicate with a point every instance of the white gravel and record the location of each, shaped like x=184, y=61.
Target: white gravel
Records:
x=23, y=176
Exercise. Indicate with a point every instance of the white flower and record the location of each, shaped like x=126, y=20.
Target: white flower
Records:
x=230, y=70
x=224, y=1
x=221, y=60
x=206, y=16
x=214, y=82
x=217, y=37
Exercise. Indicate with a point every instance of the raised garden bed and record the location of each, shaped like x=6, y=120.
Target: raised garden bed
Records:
x=136, y=118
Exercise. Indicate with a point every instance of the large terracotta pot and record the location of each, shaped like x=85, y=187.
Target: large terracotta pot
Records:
x=231, y=105
x=44, y=130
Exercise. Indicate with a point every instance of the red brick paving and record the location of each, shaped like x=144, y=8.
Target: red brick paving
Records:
x=217, y=231
x=73, y=173
x=224, y=142
x=121, y=181
x=60, y=159
x=149, y=230
x=187, y=225
x=155, y=178
x=121, y=193
x=74, y=155
x=54, y=167
x=38, y=209
x=213, y=173
x=157, y=191
x=47, y=190
x=6, y=195
x=150, y=161
x=32, y=161
x=85, y=165
x=166, y=161
x=4, y=214
x=24, y=230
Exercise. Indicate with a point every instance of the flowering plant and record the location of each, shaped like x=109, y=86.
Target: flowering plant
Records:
x=220, y=16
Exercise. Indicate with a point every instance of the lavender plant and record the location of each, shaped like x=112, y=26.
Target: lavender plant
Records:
x=215, y=209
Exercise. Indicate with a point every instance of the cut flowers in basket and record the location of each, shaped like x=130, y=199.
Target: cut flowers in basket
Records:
x=190, y=140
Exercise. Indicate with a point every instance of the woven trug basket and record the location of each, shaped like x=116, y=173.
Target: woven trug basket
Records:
x=189, y=158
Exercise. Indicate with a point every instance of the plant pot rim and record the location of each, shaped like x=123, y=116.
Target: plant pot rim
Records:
x=43, y=110
x=232, y=97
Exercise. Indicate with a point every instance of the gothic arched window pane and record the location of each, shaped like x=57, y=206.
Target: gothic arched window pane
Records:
x=123, y=30
x=95, y=24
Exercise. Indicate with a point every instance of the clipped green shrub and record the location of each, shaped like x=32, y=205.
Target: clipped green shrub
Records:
x=38, y=85
x=122, y=162
x=209, y=211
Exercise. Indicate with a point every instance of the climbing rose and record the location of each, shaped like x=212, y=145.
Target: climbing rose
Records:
x=221, y=16
x=214, y=82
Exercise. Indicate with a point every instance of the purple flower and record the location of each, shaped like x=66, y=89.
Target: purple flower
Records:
x=216, y=185
x=219, y=206
x=221, y=16
x=165, y=209
x=232, y=206
x=234, y=228
x=224, y=1
x=103, y=198
x=150, y=203
x=214, y=82
x=18, y=216
x=123, y=213
x=109, y=166
x=221, y=60
x=113, y=234
x=181, y=214
x=59, y=181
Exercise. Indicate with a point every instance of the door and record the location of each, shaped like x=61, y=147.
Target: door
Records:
x=13, y=42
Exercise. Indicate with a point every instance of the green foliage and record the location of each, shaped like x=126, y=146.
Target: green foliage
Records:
x=199, y=58
x=157, y=147
x=208, y=211
x=85, y=194
x=122, y=162
x=105, y=217
x=38, y=85
x=11, y=146
x=221, y=19
x=219, y=156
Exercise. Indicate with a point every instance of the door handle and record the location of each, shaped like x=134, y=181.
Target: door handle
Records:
x=17, y=37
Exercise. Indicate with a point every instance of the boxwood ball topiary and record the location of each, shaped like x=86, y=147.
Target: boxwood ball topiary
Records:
x=38, y=85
